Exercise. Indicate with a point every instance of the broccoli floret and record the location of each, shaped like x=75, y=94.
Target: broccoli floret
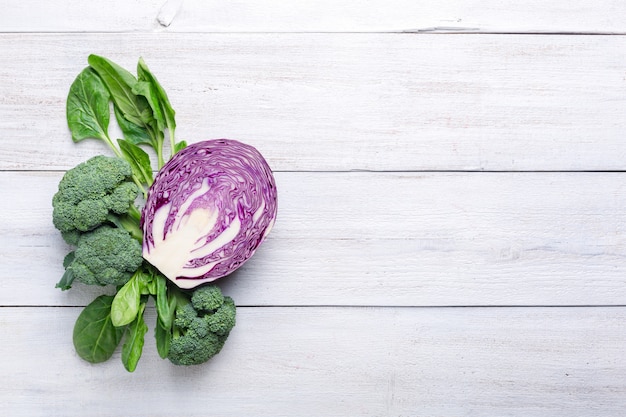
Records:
x=90, y=193
x=103, y=256
x=201, y=326
x=185, y=315
x=208, y=298
x=223, y=320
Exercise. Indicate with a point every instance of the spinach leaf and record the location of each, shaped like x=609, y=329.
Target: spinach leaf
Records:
x=147, y=90
x=120, y=84
x=148, y=286
x=138, y=159
x=125, y=305
x=159, y=101
x=95, y=337
x=180, y=146
x=133, y=345
x=163, y=336
x=87, y=108
x=137, y=135
x=165, y=306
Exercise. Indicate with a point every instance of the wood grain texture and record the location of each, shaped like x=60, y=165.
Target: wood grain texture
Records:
x=373, y=101
x=477, y=148
x=469, y=16
x=384, y=239
x=335, y=362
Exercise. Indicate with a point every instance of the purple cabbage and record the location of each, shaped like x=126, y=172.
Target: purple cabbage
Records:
x=208, y=210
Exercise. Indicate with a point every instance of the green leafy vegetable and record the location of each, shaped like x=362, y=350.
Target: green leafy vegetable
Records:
x=163, y=336
x=125, y=306
x=132, y=133
x=138, y=159
x=95, y=337
x=137, y=101
x=165, y=306
x=88, y=107
x=141, y=106
x=160, y=103
x=120, y=84
x=180, y=146
x=133, y=345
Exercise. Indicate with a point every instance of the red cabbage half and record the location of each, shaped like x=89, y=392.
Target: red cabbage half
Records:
x=208, y=210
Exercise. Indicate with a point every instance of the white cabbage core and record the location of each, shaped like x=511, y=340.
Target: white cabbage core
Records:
x=187, y=240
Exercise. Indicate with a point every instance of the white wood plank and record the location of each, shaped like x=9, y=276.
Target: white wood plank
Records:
x=602, y=16
x=401, y=15
x=344, y=102
x=383, y=239
x=335, y=362
x=79, y=16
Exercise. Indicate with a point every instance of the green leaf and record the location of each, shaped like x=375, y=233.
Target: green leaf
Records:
x=68, y=277
x=128, y=223
x=137, y=135
x=125, y=305
x=69, y=258
x=180, y=146
x=120, y=84
x=133, y=345
x=165, y=309
x=95, y=337
x=163, y=336
x=138, y=159
x=164, y=114
x=165, y=108
x=66, y=280
x=147, y=90
x=148, y=286
x=87, y=108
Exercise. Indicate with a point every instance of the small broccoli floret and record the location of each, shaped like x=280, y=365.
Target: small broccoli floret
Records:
x=104, y=256
x=90, y=192
x=185, y=315
x=207, y=299
x=71, y=237
x=201, y=326
x=120, y=199
x=223, y=320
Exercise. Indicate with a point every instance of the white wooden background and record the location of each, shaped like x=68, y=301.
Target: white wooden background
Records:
x=451, y=238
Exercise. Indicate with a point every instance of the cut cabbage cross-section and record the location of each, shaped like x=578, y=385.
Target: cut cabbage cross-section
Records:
x=208, y=210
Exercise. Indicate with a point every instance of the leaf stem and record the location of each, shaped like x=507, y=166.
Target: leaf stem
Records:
x=139, y=184
x=115, y=149
x=119, y=154
x=129, y=222
x=134, y=213
x=159, y=152
x=172, y=140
